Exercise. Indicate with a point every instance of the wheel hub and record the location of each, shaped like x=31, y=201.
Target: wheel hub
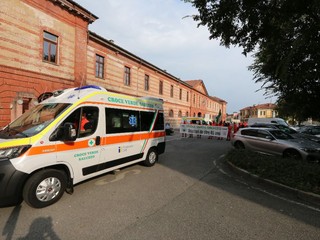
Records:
x=48, y=189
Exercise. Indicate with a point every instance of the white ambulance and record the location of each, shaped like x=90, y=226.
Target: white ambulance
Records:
x=75, y=135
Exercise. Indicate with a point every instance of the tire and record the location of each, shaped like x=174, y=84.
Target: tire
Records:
x=44, y=188
x=291, y=153
x=152, y=157
x=239, y=145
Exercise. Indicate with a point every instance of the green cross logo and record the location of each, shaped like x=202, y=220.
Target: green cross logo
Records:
x=91, y=143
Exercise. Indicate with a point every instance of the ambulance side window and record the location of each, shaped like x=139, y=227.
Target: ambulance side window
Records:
x=122, y=120
x=159, y=124
x=88, y=122
x=146, y=120
x=85, y=125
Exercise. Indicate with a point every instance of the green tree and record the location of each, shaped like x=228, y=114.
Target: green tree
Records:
x=284, y=38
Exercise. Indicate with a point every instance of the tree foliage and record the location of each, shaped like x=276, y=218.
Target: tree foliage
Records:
x=284, y=38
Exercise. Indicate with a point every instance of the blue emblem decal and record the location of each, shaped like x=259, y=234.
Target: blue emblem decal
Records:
x=133, y=120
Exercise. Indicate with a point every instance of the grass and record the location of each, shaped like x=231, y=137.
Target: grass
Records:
x=290, y=172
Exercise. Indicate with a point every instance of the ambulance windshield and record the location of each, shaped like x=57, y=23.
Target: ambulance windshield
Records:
x=33, y=121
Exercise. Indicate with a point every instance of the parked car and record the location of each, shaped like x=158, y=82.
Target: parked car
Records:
x=310, y=130
x=194, y=120
x=297, y=127
x=276, y=142
x=252, y=121
x=288, y=130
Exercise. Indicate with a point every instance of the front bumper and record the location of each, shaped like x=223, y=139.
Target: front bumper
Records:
x=11, y=184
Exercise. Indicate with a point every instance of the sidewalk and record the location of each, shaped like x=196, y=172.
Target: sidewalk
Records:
x=306, y=196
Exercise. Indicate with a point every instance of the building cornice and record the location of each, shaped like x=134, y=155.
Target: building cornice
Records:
x=75, y=9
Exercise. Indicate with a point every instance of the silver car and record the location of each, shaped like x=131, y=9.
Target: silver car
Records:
x=289, y=130
x=311, y=130
x=276, y=142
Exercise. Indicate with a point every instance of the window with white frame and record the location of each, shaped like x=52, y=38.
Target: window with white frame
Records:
x=146, y=82
x=50, y=47
x=99, y=66
x=126, y=76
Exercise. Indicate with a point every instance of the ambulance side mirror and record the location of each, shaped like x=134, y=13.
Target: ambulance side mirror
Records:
x=69, y=132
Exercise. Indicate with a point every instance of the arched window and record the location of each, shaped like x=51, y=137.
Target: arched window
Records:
x=171, y=113
x=179, y=113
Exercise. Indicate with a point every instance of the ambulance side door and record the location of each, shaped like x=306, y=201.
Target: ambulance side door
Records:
x=83, y=154
x=122, y=142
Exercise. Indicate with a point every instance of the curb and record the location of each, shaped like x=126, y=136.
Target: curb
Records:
x=307, y=196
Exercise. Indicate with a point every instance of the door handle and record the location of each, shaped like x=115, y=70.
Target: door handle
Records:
x=98, y=140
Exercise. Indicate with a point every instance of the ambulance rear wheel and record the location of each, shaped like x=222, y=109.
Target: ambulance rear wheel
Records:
x=44, y=188
x=152, y=157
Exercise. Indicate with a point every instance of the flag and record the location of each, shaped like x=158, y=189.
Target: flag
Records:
x=218, y=117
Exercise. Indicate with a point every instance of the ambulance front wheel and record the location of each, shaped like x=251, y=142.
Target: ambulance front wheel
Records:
x=152, y=157
x=44, y=188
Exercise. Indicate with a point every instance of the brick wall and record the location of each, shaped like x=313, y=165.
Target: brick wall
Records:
x=23, y=73
x=17, y=84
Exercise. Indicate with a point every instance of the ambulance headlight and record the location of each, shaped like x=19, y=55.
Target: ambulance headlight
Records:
x=13, y=152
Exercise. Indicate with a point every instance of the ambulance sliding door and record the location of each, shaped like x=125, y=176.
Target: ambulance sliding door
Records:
x=126, y=133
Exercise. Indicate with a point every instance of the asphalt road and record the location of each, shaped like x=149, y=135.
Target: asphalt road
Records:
x=190, y=194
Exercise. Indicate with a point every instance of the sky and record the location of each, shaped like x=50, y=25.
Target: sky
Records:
x=159, y=32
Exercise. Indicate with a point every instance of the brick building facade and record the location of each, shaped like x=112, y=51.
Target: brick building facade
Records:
x=46, y=45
